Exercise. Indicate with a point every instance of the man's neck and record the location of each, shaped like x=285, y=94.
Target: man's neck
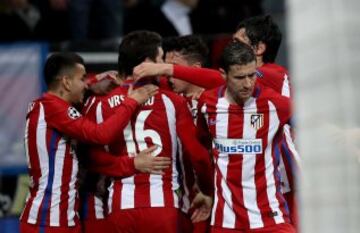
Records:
x=259, y=61
x=192, y=90
x=233, y=100
x=61, y=94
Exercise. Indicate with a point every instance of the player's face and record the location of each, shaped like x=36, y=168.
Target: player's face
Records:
x=240, y=81
x=77, y=84
x=240, y=35
x=177, y=85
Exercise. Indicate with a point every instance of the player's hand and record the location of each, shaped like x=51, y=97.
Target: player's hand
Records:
x=149, y=69
x=110, y=74
x=202, y=205
x=142, y=94
x=104, y=82
x=145, y=162
x=196, y=95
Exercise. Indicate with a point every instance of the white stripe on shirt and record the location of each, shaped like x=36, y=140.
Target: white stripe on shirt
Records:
x=269, y=165
x=222, y=128
x=56, y=188
x=171, y=117
x=43, y=163
x=248, y=169
x=72, y=190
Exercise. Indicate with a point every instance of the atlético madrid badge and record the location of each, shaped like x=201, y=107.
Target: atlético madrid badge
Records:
x=257, y=121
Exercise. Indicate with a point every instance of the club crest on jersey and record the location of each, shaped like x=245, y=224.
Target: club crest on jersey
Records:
x=73, y=113
x=257, y=121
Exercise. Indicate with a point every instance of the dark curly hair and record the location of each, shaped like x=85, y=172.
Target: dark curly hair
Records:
x=192, y=47
x=135, y=48
x=263, y=29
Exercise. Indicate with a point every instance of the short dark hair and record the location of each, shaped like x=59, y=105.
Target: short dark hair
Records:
x=58, y=63
x=192, y=47
x=236, y=53
x=135, y=48
x=263, y=29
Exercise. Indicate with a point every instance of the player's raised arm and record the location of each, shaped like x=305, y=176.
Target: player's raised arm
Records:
x=69, y=121
x=202, y=77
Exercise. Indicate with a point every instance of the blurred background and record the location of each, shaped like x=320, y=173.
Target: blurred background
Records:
x=320, y=47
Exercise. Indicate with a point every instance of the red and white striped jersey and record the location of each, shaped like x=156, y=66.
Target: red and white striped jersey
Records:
x=247, y=183
x=93, y=206
x=94, y=197
x=276, y=77
x=52, y=126
x=160, y=121
x=188, y=179
x=270, y=75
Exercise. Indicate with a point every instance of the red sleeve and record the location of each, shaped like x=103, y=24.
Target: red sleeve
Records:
x=278, y=81
x=202, y=77
x=107, y=164
x=281, y=103
x=284, y=110
x=199, y=157
x=70, y=122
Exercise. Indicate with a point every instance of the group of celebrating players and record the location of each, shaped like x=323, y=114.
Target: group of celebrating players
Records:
x=165, y=146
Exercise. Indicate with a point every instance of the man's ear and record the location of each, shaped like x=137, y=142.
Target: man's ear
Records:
x=223, y=73
x=65, y=82
x=260, y=49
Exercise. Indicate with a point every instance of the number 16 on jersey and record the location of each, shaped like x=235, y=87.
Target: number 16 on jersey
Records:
x=140, y=135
